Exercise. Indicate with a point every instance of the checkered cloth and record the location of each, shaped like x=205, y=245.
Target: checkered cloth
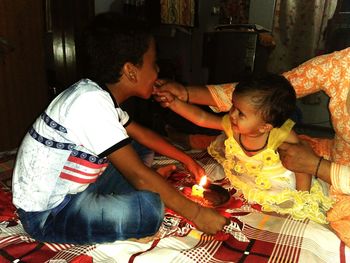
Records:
x=6, y=167
x=252, y=236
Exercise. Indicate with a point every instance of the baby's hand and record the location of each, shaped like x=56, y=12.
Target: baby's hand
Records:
x=164, y=98
x=175, y=88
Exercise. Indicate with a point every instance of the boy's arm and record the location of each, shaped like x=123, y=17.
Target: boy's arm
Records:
x=302, y=180
x=158, y=144
x=141, y=177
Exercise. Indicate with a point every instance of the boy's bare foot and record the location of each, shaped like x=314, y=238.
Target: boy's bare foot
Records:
x=145, y=240
x=166, y=171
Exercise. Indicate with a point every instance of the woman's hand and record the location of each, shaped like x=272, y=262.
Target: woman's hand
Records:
x=298, y=157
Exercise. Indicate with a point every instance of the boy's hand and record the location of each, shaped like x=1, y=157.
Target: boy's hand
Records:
x=166, y=170
x=210, y=221
x=195, y=169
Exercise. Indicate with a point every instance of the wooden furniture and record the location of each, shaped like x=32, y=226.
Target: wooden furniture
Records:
x=23, y=89
x=38, y=57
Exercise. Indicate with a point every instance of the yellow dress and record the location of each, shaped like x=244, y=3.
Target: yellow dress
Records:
x=262, y=178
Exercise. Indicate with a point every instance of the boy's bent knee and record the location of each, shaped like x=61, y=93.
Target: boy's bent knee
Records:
x=151, y=209
x=140, y=215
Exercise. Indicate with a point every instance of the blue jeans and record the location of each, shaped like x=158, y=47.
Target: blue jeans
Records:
x=109, y=209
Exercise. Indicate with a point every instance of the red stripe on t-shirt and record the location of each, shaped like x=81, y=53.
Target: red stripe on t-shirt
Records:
x=76, y=166
x=81, y=172
x=86, y=163
x=77, y=179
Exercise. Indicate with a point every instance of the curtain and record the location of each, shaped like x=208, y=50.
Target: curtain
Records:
x=178, y=12
x=299, y=27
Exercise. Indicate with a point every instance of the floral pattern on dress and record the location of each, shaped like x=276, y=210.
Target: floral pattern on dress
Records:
x=262, y=179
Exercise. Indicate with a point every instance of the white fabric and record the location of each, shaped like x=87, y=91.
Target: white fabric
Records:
x=340, y=178
x=85, y=120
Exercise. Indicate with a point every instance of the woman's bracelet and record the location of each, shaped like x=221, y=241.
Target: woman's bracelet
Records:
x=188, y=94
x=318, y=166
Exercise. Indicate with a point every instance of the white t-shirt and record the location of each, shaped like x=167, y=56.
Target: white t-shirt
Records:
x=66, y=148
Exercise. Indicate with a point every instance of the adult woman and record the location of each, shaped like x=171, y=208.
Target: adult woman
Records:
x=328, y=159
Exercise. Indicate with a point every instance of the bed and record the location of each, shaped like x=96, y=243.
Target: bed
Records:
x=252, y=236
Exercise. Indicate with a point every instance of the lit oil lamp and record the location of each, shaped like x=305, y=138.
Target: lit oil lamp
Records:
x=198, y=189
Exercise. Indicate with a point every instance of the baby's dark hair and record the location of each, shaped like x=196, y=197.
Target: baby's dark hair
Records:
x=112, y=40
x=272, y=95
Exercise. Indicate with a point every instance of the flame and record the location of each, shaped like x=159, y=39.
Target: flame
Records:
x=203, y=180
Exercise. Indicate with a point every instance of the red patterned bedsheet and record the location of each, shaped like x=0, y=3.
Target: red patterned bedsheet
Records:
x=254, y=237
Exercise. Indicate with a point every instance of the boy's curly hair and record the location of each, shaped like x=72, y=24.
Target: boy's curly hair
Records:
x=272, y=95
x=112, y=40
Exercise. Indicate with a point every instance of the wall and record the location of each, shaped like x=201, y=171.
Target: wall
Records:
x=207, y=22
x=183, y=46
x=107, y=5
x=258, y=7
x=315, y=113
x=23, y=88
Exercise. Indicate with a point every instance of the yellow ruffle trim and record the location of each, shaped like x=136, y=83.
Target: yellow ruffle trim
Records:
x=299, y=204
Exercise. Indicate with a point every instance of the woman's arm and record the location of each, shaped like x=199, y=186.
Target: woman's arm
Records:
x=314, y=74
x=300, y=158
x=218, y=97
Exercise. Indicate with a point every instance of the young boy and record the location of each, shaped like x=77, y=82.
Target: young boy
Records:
x=77, y=178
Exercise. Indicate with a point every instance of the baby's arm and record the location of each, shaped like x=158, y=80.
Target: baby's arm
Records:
x=303, y=180
x=191, y=112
